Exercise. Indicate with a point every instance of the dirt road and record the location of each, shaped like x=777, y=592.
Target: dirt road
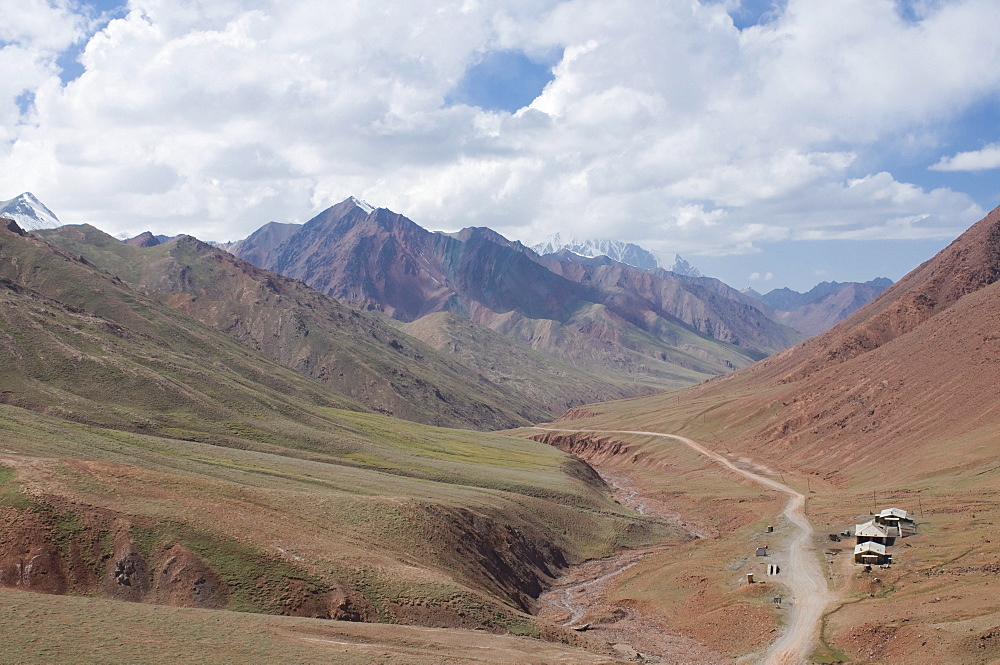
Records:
x=802, y=574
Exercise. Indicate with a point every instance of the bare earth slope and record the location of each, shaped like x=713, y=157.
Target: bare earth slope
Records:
x=348, y=351
x=899, y=405
x=904, y=371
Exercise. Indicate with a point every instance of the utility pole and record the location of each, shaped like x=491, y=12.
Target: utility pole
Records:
x=874, y=501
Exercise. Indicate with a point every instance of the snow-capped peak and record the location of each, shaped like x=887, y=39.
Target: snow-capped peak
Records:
x=682, y=267
x=367, y=207
x=624, y=252
x=29, y=213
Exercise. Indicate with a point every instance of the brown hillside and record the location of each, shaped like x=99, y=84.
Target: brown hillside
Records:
x=899, y=405
x=896, y=381
x=349, y=351
x=968, y=264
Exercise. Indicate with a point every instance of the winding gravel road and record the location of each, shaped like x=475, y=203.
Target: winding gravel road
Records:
x=802, y=574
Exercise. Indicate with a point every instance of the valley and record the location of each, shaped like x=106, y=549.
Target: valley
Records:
x=188, y=438
x=802, y=578
x=517, y=332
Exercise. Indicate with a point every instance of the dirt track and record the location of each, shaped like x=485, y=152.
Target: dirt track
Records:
x=803, y=574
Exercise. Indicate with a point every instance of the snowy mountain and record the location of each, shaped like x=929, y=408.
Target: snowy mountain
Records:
x=623, y=252
x=29, y=213
x=682, y=267
x=364, y=205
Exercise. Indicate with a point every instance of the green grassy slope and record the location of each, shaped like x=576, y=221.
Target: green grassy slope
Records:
x=137, y=444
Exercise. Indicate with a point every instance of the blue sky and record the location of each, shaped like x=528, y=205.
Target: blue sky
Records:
x=505, y=80
x=770, y=142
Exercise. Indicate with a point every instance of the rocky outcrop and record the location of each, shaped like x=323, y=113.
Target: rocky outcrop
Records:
x=338, y=603
x=29, y=560
x=185, y=580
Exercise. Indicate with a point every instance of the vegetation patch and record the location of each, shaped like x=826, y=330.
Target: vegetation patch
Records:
x=10, y=493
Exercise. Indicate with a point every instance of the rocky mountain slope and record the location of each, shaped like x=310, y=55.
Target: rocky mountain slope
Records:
x=639, y=296
x=350, y=352
x=150, y=457
x=381, y=260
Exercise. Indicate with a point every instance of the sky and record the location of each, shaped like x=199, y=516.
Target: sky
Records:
x=770, y=142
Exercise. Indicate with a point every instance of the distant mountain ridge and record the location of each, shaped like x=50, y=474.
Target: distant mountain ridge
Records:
x=29, y=213
x=656, y=328
x=623, y=252
x=822, y=307
x=787, y=300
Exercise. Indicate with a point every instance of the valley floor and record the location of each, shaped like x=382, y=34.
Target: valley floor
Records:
x=628, y=630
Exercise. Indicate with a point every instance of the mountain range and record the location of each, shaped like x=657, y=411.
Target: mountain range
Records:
x=182, y=427
x=351, y=352
x=654, y=329
x=623, y=252
x=821, y=307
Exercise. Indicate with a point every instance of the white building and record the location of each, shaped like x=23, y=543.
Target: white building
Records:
x=871, y=553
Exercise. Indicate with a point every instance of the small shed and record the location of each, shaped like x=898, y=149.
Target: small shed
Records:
x=872, y=532
x=762, y=550
x=872, y=554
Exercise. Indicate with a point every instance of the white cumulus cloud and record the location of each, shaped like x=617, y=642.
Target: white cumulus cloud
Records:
x=664, y=124
x=973, y=160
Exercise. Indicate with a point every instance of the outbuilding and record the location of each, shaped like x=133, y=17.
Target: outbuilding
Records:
x=893, y=517
x=872, y=532
x=871, y=553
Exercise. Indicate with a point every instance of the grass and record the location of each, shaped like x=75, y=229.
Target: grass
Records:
x=10, y=493
x=238, y=508
x=824, y=654
x=68, y=630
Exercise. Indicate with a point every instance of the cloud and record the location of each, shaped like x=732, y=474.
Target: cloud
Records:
x=975, y=160
x=666, y=125
x=761, y=277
